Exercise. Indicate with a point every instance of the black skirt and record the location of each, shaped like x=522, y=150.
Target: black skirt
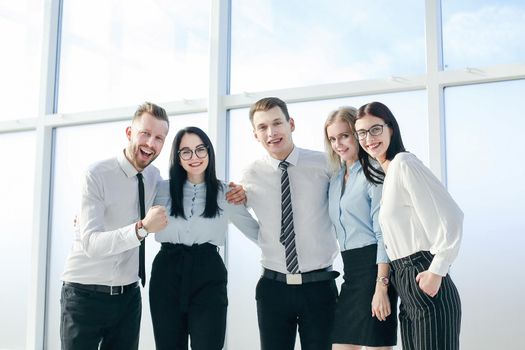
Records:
x=353, y=322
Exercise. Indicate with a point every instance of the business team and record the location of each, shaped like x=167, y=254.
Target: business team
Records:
x=395, y=224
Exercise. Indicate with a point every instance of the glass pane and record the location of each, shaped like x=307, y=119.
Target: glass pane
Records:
x=118, y=52
x=244, y=266
x=480, y=33
x=485, y=175
x=21, y=24
x=17, y=188
x=279, y=44
x=71, y=158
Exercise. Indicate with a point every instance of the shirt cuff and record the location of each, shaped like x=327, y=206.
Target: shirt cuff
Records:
x=382, y=257
x=131, y=235
x=439, y=266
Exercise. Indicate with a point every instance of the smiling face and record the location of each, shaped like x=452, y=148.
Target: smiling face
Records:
x=375, y=146
x=274, y=132
x=146, y=137
x=341, y=138
x=197, y=164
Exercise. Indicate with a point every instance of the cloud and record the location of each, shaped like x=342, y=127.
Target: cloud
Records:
x=274, y=48
x=489, y=35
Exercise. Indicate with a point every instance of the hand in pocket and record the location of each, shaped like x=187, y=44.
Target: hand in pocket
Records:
x=429, y=282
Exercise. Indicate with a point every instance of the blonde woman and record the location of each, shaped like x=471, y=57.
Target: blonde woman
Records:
x=366, y=309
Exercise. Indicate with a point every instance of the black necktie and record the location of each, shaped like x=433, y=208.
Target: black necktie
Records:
x=287, y=237
x=142, y=249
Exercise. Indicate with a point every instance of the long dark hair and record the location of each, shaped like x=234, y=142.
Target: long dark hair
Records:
x=373, y=172
x=178, y=176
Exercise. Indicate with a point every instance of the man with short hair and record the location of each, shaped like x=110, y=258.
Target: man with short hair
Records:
x=288, y=191
x=101, y=302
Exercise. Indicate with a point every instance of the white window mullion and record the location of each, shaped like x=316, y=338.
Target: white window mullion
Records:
x=436, y=117
x=219, y=73
x=43, y=159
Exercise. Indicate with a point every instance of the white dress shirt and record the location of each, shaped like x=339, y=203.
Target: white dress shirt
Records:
x=417, y=213
x=309, y=175
x=196, y=229
x=105, y=248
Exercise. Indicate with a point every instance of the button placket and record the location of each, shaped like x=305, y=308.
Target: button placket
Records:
x=193, y=200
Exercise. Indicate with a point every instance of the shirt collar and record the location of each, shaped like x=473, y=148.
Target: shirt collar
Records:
x=354, y=168
x=125, y=165
x=292, y=158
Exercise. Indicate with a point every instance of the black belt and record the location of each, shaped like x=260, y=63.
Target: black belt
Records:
x=177, y=247
x=420, y=258
x=325, y=274
x=111, y=290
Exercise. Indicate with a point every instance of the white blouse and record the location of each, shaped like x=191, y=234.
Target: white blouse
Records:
x=418, y=214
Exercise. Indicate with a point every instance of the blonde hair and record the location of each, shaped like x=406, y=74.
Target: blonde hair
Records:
x=345, y=114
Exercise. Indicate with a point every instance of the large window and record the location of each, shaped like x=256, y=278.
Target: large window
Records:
x=115, y=53
x=279, y=44
x=109, y=55
x=243, y=256
x=481, y=33
x=21, y=40
x=485, y=176
x=16, y=206
x=76, y=148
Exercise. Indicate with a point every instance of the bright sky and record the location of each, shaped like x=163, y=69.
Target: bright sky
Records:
x=121, y=52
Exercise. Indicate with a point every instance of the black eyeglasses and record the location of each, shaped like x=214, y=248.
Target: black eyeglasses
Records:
x=200, y=152
x=375, y=130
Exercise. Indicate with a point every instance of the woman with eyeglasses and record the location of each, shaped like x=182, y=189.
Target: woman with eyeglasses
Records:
x=187, y=289
x=367, y=306
x=422, y=228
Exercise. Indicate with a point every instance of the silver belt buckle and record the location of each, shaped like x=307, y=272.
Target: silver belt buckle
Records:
x=116, y=292
x=294, y=278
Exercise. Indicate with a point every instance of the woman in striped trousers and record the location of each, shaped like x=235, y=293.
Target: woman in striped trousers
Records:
x=422, y=229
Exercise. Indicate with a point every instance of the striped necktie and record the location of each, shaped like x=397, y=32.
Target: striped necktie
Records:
x=287, y=237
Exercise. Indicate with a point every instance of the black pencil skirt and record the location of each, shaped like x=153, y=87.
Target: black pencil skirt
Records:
x=354, y=323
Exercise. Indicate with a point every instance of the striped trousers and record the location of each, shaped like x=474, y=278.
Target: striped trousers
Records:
x=426, y=323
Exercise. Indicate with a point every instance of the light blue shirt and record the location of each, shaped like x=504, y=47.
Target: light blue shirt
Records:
x=354, y=211
x=196, y=229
